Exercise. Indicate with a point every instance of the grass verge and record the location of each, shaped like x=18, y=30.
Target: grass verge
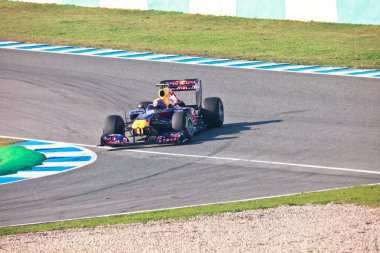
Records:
x=174, y=33
x=361, y=195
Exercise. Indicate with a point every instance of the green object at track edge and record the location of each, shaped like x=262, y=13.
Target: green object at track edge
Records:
x=15, y=158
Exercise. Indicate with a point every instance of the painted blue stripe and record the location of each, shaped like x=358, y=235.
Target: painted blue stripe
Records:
x=331, y=70
x=135, y=55
x=364, y=72
x=32, y=143
x=111, y=53
x=246, y=64
x=217, y=62
x=306, y=68
x=196, y=60
x=12, y=44
x=58, y=49
x=4, y=180
x=52, y=168
x=68, y=159
x=83, y=51
x=193, y=59
x=35, y=46
x=169, y=57
x=276, y=66
x=50, y=150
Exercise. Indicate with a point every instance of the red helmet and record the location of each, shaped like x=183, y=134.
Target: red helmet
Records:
x=159, y=104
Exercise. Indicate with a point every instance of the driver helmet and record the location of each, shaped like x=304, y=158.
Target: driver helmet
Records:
x=159, y=104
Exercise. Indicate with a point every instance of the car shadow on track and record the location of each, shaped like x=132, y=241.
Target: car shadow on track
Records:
x=225, y=132
x=215, y=134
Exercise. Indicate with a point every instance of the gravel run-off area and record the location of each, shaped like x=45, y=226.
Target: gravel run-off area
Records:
x=312, y=228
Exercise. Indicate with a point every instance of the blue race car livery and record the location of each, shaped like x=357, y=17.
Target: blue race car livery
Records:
x=166, y=119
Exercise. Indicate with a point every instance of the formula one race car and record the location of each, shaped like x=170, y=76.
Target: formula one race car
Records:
x=166, y=119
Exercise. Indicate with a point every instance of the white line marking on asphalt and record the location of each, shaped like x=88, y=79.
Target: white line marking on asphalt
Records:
x=65, y=154
x=73, y=163
x=32, y=174
x=195, y=156
x=220, y=158
x=42, y=146
x=179, y=207
x=255, y=161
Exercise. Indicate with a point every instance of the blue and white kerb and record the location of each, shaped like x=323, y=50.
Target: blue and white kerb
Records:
x=205, y=61
x=61, y=157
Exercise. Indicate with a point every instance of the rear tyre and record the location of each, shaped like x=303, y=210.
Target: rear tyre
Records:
x=114, y=124
x=181, y=121
x=213, y=112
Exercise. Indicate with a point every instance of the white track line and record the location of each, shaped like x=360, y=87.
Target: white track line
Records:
x=65, y=154
x=178, y=207
x=32, y=174
x=205, y=204
x=255, y=161
x=223, y=158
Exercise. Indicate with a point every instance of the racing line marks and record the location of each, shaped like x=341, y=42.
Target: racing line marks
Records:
x=203, y=61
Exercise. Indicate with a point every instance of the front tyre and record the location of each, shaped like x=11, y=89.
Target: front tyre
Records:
x=213, y=112
x=181, y=121
x=114, y=124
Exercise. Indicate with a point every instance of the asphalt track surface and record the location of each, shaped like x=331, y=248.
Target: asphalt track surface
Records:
x=270, y=116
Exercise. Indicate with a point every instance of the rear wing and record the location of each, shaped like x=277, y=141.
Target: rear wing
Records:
x=181, y=85
x=185, y=85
